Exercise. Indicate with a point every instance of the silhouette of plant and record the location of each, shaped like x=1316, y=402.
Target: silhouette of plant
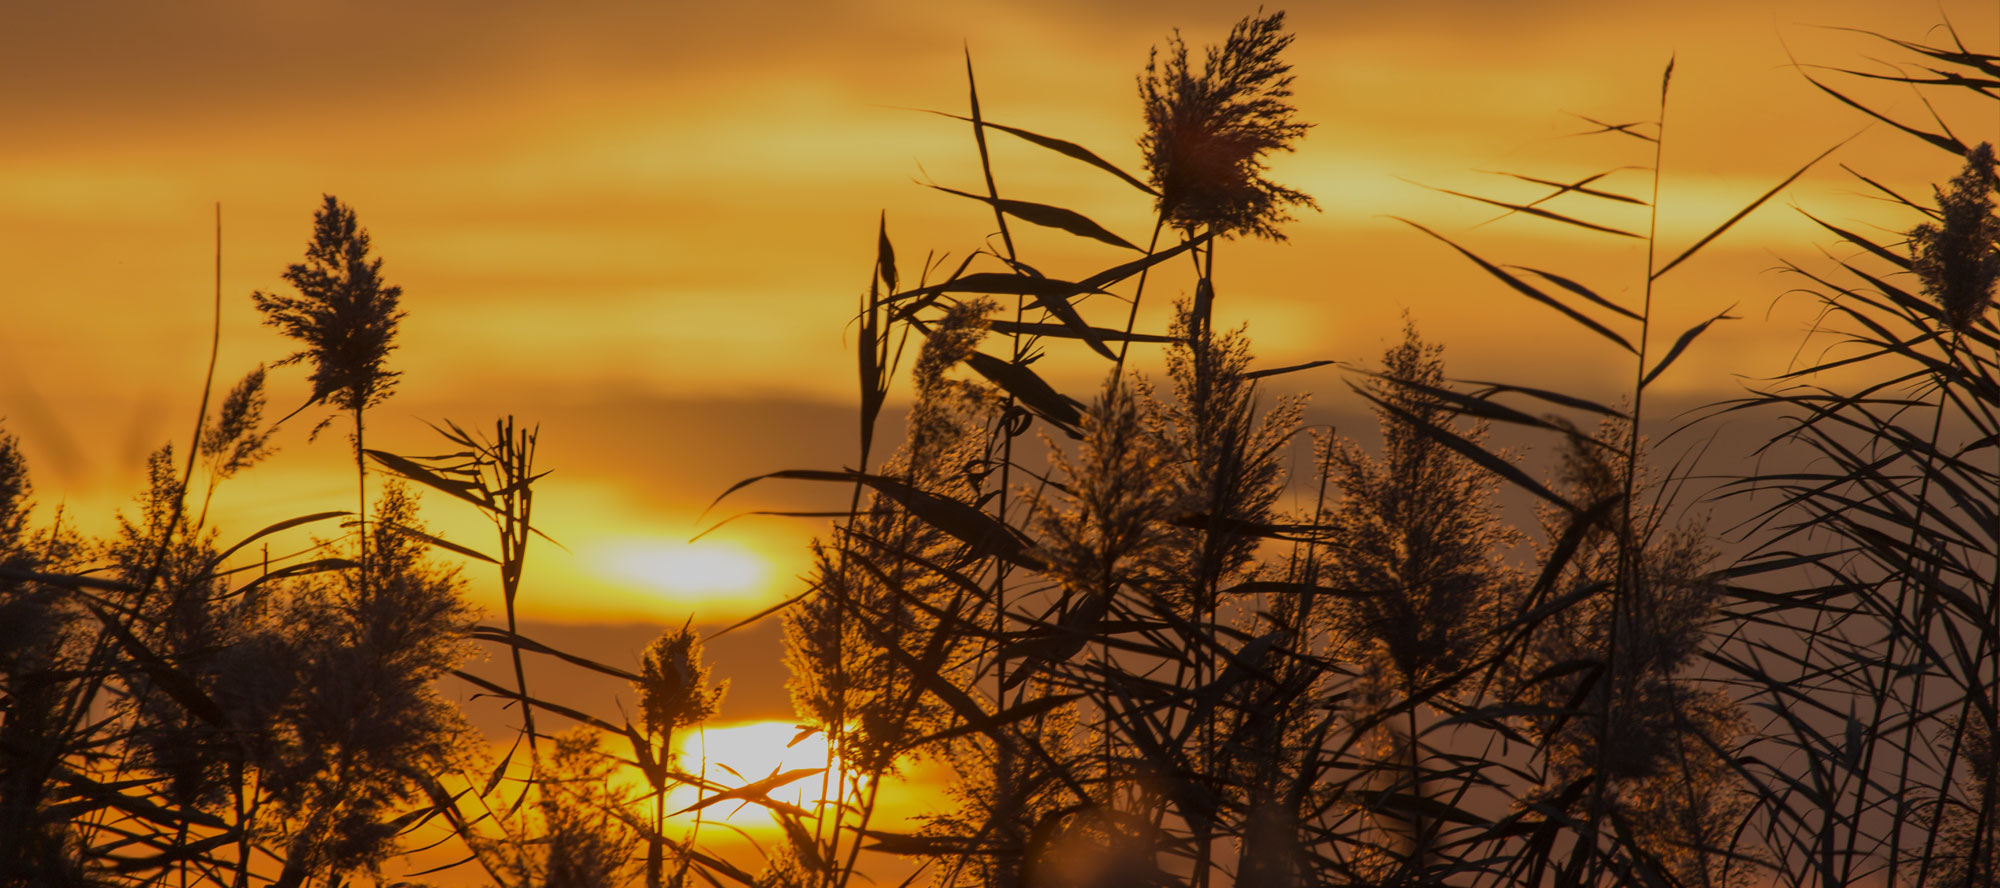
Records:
x=581, y=840
x=1415, y=546
x=1955, y=257
x=1874, y=537
x=674, y=692
x=344, y=314
x=366, y=717
x=43, y=642
x=1207, y=133
x=346, y=317
x=1137, y=665
x=1665, y=778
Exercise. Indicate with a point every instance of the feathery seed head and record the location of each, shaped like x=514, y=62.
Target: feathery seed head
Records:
x=1207, y=133
x=233, y=441
x=673, y=686
x=343, y=312
x=1958, y=258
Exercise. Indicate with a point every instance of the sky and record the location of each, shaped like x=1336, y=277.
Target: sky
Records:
x=644, y=225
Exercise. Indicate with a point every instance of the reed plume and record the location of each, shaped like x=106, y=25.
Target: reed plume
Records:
x=1208, y=131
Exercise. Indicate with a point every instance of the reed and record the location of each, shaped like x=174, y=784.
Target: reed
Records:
x=1140, y=666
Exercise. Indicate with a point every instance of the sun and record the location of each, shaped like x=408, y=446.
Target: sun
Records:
x=739, y=754
x=751, y=751
x=688, y=571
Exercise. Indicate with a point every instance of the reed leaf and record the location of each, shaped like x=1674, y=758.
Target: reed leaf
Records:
x=1048, y=216
x=1525, y=288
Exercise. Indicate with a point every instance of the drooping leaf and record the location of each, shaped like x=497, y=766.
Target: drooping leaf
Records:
x=1478, y=406
x=1124, y=270
x=1559, y=398
x=1944, y=141
x=1291, y=368
x=284, y=525
x=1538, y=211
x=1031, y=390
x=1871, y=246
x=303, y=568
x=1748, y=209
x=439, y=542
x=1469, y=450
x=986, y=535
x=1578, y=289
x=1681, y=344
x=1276, y=587
x=1524, y=288
x=1048, y=217
x=416, y=472
x=1065, y=331
x=118, y=795
x=929, y=845
x=570, y=713
x=1060, y=146
x=511, y=639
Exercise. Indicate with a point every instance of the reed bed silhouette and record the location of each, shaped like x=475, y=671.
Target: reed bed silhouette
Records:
x=1138, y=666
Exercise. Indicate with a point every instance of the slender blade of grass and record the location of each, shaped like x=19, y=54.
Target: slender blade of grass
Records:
x=1748, y=209
x=1579, y=290
x=1524, y=288
x=1048, y=217
x=1031, y=390
x=1680, y=345
x=1469, y=450
x=1060, y=146
x=1541, y=213
x=985, y=534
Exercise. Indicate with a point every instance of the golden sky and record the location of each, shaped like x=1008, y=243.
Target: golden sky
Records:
x=643, y=224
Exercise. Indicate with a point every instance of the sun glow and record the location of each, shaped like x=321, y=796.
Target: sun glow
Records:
x=737, y=755
x=688, y=571
x=743, y=753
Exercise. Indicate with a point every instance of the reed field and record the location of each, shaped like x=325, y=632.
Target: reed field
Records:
x=1162, y=631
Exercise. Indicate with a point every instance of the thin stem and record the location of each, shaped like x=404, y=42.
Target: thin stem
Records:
x=1628, y=545
x=361, y=491
x=1138, y=293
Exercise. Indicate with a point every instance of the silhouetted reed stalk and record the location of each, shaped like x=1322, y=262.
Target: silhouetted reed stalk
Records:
x=1627, y=542
x=1957, y=260
x=346, y=317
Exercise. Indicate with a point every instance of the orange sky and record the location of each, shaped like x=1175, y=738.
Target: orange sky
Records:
x=643, y=224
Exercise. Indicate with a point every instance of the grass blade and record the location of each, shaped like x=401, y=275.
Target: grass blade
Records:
x=1060, y=146
x=1524, y=288
x=1747, y=210
x=1538, y=211
x=1469, y=450
x=985, y=534
x=1031, y=390
x=1579, y=290
x=1681, y=344
x=1048, y=217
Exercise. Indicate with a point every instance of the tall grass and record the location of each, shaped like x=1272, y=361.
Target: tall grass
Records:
x=1138, y=664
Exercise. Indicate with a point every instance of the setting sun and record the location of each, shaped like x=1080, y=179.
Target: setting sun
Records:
x=743, y=753
x=736, y=755
x=689, y=571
